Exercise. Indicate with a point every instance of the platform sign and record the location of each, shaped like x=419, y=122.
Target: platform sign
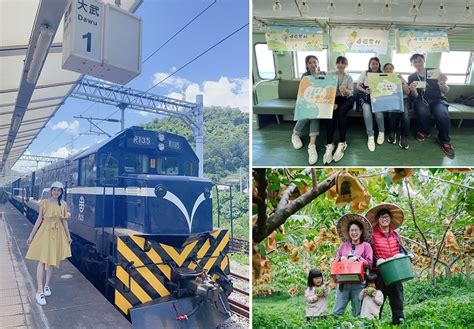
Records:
x=386, y=93
x=316, y=97
x=83, y=25
x=102, y=40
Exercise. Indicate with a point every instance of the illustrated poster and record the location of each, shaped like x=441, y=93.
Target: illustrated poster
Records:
x=316, y=97
x=386, y=93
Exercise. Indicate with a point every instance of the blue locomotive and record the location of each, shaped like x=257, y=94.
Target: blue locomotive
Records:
x=142, y=228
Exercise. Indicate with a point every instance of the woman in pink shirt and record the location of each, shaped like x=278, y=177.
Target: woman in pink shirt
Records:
x=354, y=230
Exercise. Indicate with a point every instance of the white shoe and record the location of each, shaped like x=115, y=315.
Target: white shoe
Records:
x=371, y=143
x=40, y=299
x=296, y=141
x=47, y=291
x=380, y=138
x=327, y=158
x=313, y=154
x=341, y=147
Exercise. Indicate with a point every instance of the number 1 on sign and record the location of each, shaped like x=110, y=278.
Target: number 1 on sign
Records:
x=88, y=36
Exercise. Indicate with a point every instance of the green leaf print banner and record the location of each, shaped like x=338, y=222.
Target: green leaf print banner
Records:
x=316, y=97
x=359, y=40
x=422, y=41
x=294, y=38
x=386, y=93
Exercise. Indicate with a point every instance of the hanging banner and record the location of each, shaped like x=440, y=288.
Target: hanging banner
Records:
x=359, y=40
x=316, y=97
x=422, y=41
x=386, y=93
x=294, y=38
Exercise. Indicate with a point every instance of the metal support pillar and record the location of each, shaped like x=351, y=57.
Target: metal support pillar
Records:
x=199, y=132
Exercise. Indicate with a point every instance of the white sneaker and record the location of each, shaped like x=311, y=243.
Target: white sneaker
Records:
x=341, y=147
x=381, y=138
x=47, y=291
x=40, y=299
x=371, y=143
x=327, y=158
x=296, y=141
x=313, y=154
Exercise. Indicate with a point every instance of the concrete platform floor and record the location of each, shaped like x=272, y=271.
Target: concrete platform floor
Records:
x=74, y=302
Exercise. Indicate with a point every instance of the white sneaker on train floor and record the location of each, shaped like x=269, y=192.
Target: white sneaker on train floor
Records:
x=312, y=154
x=327, y=158
x=371, y=143
x=341, y=147
x=380, y=138
x=40, y=299
x=47, y=291
x=296, y=141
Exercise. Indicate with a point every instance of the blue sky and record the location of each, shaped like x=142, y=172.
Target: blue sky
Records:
x=221, y=74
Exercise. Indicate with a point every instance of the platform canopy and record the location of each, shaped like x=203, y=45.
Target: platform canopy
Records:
x=26, y=108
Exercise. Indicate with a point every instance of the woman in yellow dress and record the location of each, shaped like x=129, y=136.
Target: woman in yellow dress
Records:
x=49, y=240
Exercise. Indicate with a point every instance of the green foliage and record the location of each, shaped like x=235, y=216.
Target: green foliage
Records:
x=240, y=217
x=225, y=140
x=449, y=305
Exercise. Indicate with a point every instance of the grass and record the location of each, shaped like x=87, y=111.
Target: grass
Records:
x=449, y=305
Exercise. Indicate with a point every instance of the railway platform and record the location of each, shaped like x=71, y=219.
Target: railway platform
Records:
x=74, y=302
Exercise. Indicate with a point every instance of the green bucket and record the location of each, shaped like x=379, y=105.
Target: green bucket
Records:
x=396, y=270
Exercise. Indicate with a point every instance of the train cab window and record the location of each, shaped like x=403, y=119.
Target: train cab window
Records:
x=265, y=62
x=358, y=63
x=167, y=166
x=136, y=163
x=455, y=65
x=300, y=65
x=87, y=171
x=190, y=169
x=109, y=168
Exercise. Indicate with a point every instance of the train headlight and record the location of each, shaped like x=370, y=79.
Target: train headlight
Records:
x=161, y=137
x=207, y=193
x=161, y=146
x=160, y=191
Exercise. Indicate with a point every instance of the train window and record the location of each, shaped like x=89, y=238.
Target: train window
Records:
x=358, y=63
x=190, y=169
x=402, y=64
x=300, y=65
x=136, y=163
x=265, y=62
x=455, y=65
x=168, y=166
x=109, y=168
x=87, y=171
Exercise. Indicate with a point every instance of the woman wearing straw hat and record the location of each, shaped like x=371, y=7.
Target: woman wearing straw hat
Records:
x=49, y=240
x=355, y=230
x=385, y=219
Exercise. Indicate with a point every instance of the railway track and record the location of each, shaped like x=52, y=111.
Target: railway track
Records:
x=239, y=245
x=235, y=305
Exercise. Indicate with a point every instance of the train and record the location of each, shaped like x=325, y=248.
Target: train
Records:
x=141, y=222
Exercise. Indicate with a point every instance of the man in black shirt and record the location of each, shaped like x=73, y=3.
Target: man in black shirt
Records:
x=428, y=95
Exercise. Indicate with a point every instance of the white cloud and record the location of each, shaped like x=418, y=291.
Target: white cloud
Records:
x=173, y=82
x=62, y=152
x=175, y=95
x=71, y=127
x=224, y=92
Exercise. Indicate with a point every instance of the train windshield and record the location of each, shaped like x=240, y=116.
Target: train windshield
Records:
x=156, y=165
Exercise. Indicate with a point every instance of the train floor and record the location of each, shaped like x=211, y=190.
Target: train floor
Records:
x=272, y=147
x=74, y=302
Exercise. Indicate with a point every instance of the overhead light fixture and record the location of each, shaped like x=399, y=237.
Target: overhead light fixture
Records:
x=414, y=9
x=304, y=7
x=331, y=8
x=276, y=6
x=39, y=54
x=468, y=9
x=387, y=9
x=441, y=10
x=359, y=8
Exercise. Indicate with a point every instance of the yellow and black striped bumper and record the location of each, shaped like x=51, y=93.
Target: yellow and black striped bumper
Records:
x=144, y=266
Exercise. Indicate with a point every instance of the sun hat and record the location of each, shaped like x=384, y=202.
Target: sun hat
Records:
x=58, y=185
x=342, y=227
x=395, y=212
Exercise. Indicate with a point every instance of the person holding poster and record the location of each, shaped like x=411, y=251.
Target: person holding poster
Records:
x=344, y=103
x=364, y=102
x=404, y=117
x=428, y=89
x=312, y=68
